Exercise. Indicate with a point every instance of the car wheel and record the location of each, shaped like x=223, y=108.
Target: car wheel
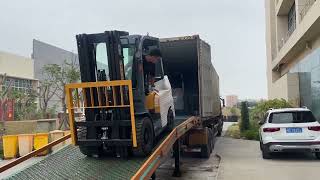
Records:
x=317, y=155
x=260, y=145
x=265, y=152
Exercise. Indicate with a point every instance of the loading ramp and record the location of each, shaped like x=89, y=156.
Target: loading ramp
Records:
x=70, y=163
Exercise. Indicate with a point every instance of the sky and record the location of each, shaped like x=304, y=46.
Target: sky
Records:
x=234, y=29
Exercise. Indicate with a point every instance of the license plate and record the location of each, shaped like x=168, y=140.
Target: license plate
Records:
x=294, y=130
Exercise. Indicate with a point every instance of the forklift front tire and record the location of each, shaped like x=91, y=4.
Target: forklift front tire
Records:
x=145, y=137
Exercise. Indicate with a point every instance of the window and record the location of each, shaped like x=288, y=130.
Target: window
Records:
x=292, y=117
x=101, y=54
x=24, y=85
x=128, y=55
x=159, y=70
x=292, y=19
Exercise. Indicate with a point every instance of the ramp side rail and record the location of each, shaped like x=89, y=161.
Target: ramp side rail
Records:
x=153, y=162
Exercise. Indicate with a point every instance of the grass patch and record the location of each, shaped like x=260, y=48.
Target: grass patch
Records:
x=251, y=134
x=233, y=131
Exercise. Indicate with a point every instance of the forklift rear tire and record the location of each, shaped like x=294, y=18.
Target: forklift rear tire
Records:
x=91, y=151
x=145, y=137
x=170, y=120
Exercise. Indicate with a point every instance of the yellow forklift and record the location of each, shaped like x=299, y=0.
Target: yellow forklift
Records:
x=124, y=111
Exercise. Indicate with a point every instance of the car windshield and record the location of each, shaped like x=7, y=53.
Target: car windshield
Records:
x=292, y=117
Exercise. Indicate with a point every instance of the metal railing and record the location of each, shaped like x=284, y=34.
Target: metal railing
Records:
x=283, y=41
x=306, y=8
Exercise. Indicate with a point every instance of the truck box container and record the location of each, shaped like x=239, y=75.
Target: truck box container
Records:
x=194, y=80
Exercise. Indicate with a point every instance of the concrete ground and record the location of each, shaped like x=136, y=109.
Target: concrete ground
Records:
x=236, y=159
x=192, y=166
x=241, y=160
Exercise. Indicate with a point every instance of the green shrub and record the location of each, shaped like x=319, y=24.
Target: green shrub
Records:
x=244, y=123
x=233, y=131
x=257, y=113
x=252, y=134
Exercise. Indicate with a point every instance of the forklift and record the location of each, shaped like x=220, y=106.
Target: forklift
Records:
x=117, y=57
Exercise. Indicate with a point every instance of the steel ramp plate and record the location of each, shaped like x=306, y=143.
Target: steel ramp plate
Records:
x=70, y=163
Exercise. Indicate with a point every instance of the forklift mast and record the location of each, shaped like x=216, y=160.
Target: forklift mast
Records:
x=101, y=59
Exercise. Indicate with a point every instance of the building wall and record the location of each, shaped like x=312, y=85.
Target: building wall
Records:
x=18, y=70
x=17, y=66
x=44, y=54
x=231, y=100
x=292, y=67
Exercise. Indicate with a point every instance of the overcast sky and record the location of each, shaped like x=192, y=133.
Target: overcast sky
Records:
x=235, y=29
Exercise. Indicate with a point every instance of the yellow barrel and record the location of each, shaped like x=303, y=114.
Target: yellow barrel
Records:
x=40, y=140
x=25, y=144
x=68, y=141
x=55, y=135
x=10, y=146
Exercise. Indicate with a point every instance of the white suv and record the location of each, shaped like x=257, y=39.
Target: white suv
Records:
x=291, y=129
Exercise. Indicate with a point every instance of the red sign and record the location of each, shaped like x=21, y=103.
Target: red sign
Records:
x=7, y=110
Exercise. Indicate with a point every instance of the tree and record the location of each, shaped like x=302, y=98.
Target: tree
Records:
x=4, y=94
x=258, y=112
x=234, y=111
x=244, y=123
x=25, y=106
x=47, y=89
x=60, y=75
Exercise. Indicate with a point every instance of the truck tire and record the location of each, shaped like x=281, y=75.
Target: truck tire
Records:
x=145, y=137
x=317, y=155
x=205, y=151
x=219, y=132
x=170, y=120
x=91, y=151
x=211, y=139
x=206, y=148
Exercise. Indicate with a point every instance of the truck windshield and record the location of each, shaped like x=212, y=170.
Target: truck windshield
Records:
x=292, y=117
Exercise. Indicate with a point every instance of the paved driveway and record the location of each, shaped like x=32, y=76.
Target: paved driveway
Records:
x=241, y=160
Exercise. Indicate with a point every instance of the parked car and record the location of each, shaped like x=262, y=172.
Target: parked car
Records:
x=289, y=130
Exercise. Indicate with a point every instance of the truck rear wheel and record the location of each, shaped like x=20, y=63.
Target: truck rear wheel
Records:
x=206, y=149
x=211, y=139
x=145, y=137
x=91, y=151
